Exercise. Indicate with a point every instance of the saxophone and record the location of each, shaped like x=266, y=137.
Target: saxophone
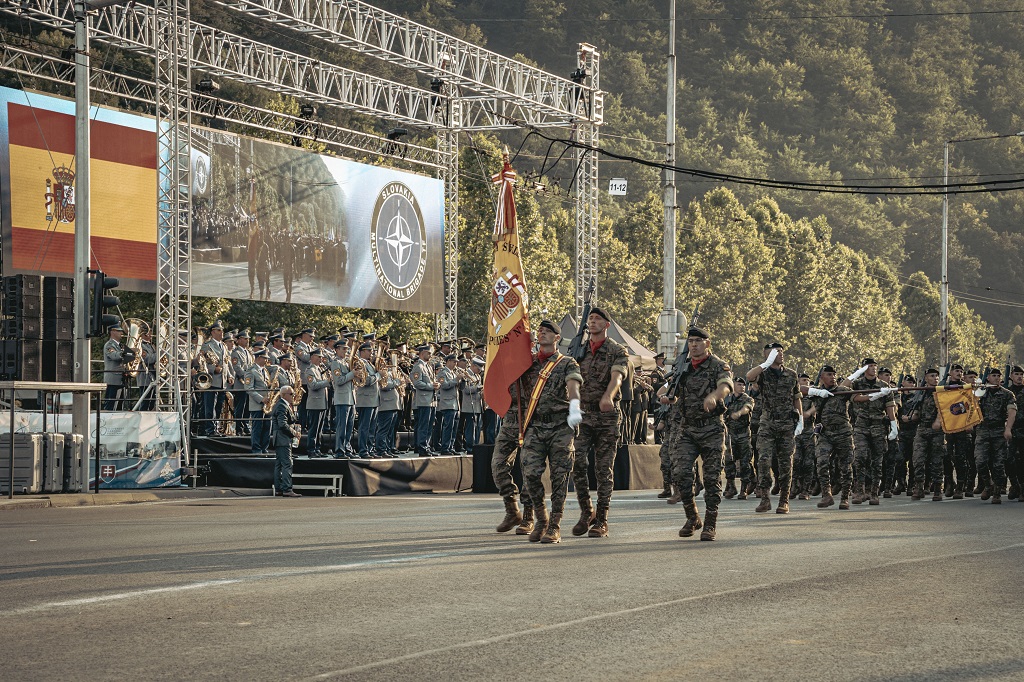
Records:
x=273, y=392
x=355, y=363
x=297, y=383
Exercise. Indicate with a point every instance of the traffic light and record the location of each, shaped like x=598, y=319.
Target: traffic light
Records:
x=102, y=301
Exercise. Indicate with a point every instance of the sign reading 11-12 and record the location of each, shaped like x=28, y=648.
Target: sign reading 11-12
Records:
x=617, y=187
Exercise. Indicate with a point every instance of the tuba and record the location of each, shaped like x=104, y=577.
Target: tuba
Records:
x=355, y=363
x=133, y=347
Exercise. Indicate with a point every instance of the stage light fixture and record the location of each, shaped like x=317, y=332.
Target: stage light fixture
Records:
x=307, y=111
x=397, y=133
x=207, y=85
x=579, y=75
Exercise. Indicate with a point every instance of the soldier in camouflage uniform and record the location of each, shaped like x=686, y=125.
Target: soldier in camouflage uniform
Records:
x=1015, y=455
x=604, y=366
x=959, y=448
x=781, y=422
x=892, y=450
x=804, y=457
x=876, y=424
x=548, y=441
x=928, y=441
x=506, y=449
x=998, y=413
x=904, y=476
x=705, y=383
x=662, y=432
x=834, y=446
x=738, y=407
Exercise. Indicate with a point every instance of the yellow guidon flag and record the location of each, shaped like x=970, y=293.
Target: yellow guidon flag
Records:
x=959, y=409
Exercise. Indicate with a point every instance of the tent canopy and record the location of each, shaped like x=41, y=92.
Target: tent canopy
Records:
x=641, y=356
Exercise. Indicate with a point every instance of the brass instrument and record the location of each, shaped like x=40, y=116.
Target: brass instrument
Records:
x=202, y=379
x=273, y=393
x=356, y=365
x=297, y=385
x=132, y=344
x=212, y=359
x=227, y=415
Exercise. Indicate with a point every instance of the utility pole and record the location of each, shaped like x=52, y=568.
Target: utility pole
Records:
x=83, y=347
x=668, y=321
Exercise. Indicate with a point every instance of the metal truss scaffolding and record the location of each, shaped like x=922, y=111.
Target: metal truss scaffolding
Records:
x=470, y=89
x=174, y=239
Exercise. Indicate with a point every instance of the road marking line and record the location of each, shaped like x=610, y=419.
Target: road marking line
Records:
x=87, y=601
x=497, y=639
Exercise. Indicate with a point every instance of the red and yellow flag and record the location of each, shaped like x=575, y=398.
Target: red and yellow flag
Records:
x=508, y=325
x=959, y=409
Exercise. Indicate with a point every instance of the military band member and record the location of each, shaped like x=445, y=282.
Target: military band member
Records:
x=257, y=384
x=998, y=414
x=604, y=367
x=303, y=348
x=367, y=402
x=833, y=450
x=113, y=370
x=781, y=421
x=472, y=403
x=388, y=412
x=876, y=424
x=276, y=349
x=218, y=365
x=344, y=400
x=316, y=381
x=147, y=370
x=552, y=415
x=928, y=441
x=285, y=430
x=448, y=404
x=424, y=403
x=241, y=361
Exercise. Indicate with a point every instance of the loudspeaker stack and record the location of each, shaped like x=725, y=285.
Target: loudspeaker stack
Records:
x=36, y=328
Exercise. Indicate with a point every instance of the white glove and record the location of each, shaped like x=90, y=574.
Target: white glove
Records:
x=858, y=374
x=770, y=360
x=799, y=426
x=819, y=392
x=575, y=413
x=980, y=392
x=894, y=430
x=884, y=391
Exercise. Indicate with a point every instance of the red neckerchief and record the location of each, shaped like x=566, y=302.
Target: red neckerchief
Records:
x=698, y=363
x=542, y=357
x=594, y=347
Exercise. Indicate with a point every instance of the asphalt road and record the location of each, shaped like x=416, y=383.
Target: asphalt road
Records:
x=421, y=587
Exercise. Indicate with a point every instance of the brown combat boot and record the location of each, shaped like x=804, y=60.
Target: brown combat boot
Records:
x=997, y=498
x=744, y=490
x=918, y=492
x=887, y=493
x=859, y=494
x=730, y=490
x=526, y=525
x=873, y=497
x=541, y=525
x=958, y=491
x=816, y=488
x=676, y=498
x=512, y=516
x=783, y=507
x=986, y=493
x=586, y=518
x=749, y=489
x=710, y=521
x=692, y=521
x=766, y=503
x=937, y=492
x=826, y=498
x=599, y=529
x=844, y=501
x=666, y=487
x=552, y=535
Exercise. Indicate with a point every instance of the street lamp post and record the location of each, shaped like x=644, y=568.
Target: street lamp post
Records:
x=944, y=283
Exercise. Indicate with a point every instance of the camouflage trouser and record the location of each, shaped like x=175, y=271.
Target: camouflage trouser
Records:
x=742, y=465
x=804, y=457
x=990, y=455
x=928, y=455
x=959, y=456
x=870, y=446
x=600, y=432
x=905, y=460
x=1015, y=459
x=548, y=445
x=708, y=443
x=835, y=448
x=775, y=439
x=506, y=446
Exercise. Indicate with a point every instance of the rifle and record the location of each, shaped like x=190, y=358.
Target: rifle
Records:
x=677, y=374
x=576, y=347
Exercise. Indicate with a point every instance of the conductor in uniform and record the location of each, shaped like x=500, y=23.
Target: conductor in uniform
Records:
x=113, y=370
x=285, y=429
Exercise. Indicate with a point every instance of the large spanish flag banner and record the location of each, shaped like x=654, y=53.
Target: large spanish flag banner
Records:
x=40, y=225
x=508, y=325
x=959, y=409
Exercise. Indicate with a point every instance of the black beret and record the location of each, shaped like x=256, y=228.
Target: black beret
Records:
x=804, y=376
x=600, y=313
x=740, y=380
x=697, y=332
x=970, y=372
x=660, y=355
x=868, y=361
x=828, y=368
x=548, y=324
x=774, y=344
x=931, y=370
x=995, y=370
x=885, y=370
x=956, y=366
x=1017, y=368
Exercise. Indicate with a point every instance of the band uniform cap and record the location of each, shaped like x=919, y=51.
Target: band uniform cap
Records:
x=695, y=332
x=478, y=362
x=365, y=346
x=481, y=346
x=1017, y=368
x=600, y=313
x=660, y=355
x=277, y=337
x=259, y=334
x=339, y=344
x=423, y=347
x=828, y=368
x=349, y=335
x=315, y=351
x=244, y=334
x=280, y=331
x=288, y=357
x=308, y=330
x=217, y=325
x=369, y=337
x=868, y=361
x=385, y=339
x=995, y=370
x=259, y=344
x=116, y=328
x=260, y=354
x=956, y=366
x=230, y=336
x=774, y=344
x=548, y=324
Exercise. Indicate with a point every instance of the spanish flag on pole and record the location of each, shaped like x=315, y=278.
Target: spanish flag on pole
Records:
x=508, y=325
